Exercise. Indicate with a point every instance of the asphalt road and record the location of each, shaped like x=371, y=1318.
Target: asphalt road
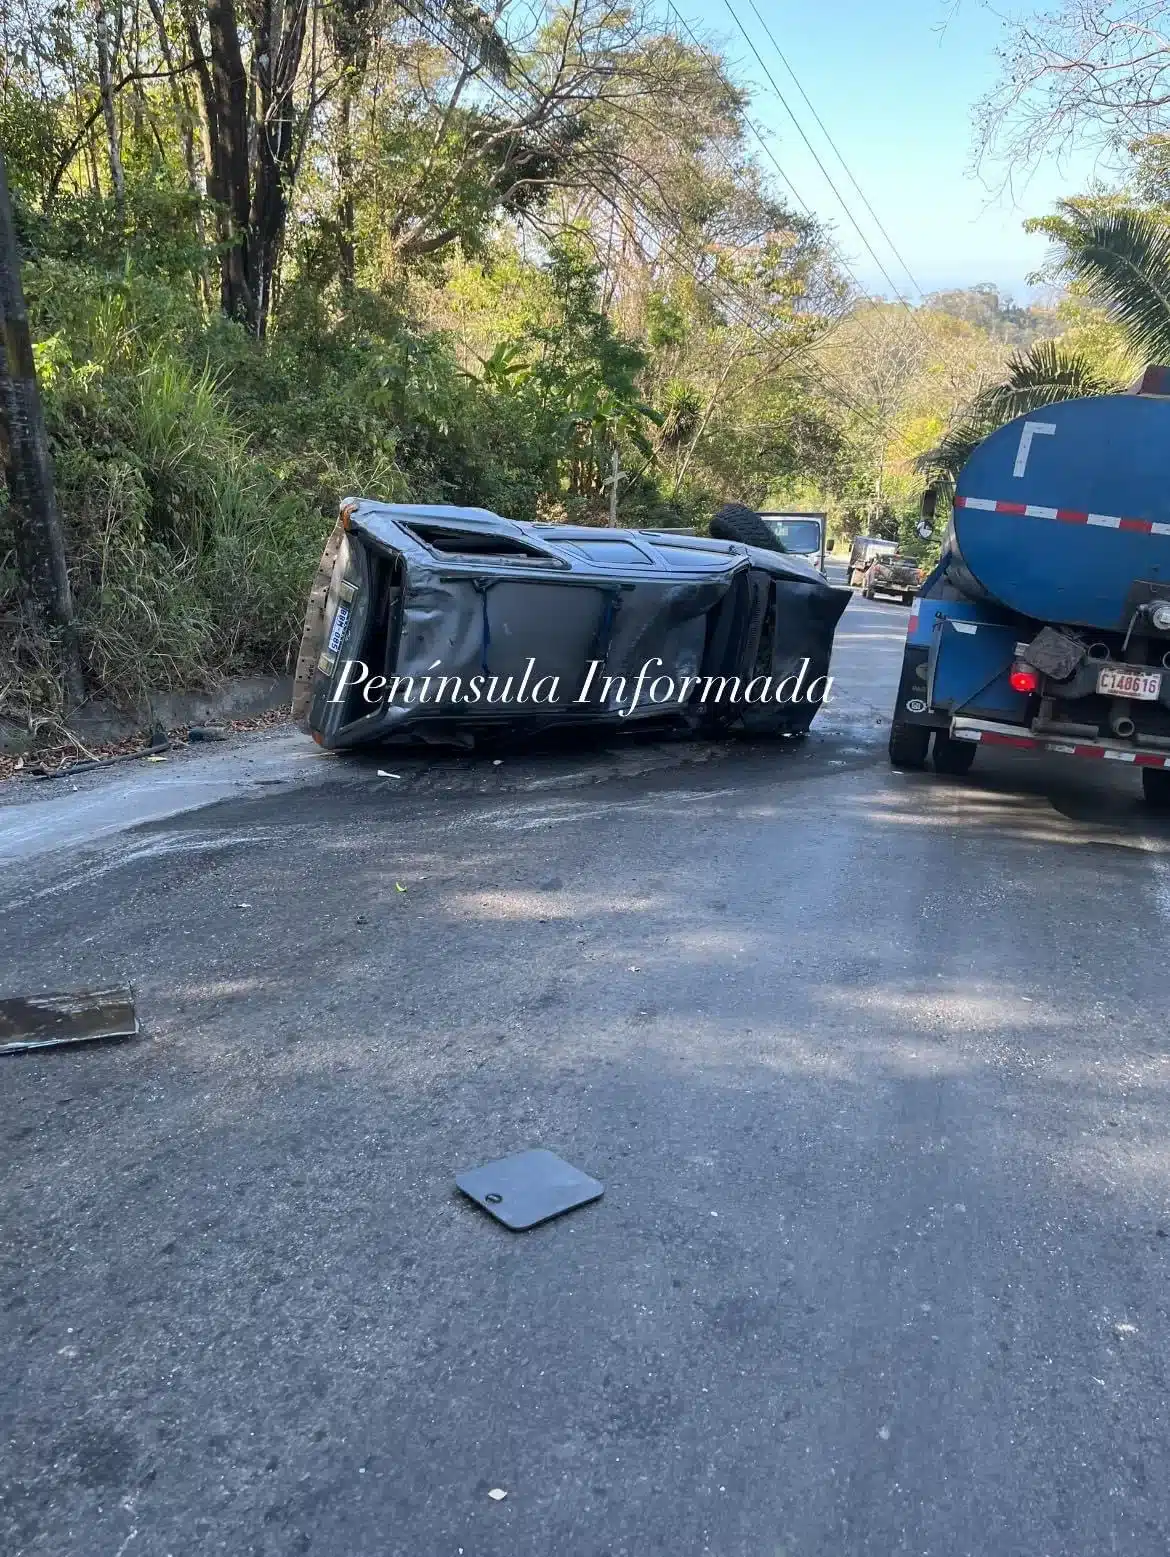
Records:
x=873, y=1067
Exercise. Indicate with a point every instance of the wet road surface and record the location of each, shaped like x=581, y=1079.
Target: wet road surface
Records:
x=873, y=1066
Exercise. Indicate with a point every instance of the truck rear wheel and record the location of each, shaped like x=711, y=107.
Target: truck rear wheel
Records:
x=1156, y=788
x=952, y=756
x=909, y=744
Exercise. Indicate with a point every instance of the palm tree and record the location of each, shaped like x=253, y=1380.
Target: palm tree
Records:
x=1039, y=376
x=1122, y=260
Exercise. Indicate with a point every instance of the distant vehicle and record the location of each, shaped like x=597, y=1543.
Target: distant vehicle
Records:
x=892, y=575
x=800, y=534
x=864, y=549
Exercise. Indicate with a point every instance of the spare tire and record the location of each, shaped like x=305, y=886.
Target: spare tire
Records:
x=737, y=522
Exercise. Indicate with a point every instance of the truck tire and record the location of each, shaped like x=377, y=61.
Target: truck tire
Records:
x=1156, y=788
x=908, y=745
x=951, y=756
x=737, y=522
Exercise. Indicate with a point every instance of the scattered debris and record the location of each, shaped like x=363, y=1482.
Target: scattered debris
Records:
x=71, y=755
x=207, y=732
x=49, y=1021
x=497, y=1494
x=528, y=1188
x=1124, y=1329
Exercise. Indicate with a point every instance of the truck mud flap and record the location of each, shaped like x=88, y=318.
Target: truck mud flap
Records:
x=912, y=706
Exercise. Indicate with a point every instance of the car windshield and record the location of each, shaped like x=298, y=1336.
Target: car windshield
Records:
x=800, y=535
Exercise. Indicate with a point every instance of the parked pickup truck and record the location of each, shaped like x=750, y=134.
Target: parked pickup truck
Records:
x=864, y=549
x=894, y=575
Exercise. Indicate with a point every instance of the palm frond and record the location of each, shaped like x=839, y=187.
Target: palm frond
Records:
x=1123, y=259
x=1043, y=374
x=1040, y=376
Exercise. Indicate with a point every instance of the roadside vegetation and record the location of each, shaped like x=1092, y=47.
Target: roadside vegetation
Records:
x=274, y=256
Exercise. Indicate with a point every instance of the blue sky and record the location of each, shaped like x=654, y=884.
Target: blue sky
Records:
x=896, y=83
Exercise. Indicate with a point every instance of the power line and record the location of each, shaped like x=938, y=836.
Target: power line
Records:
x=824, y=131
x=813, y=153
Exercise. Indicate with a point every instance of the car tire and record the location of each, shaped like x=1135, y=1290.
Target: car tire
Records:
x=909, y=744
x=951, y=756
x=737, y=522
x=1156, y=788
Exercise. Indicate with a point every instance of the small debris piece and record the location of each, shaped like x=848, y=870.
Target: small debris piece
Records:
x=884, y=1434
x=497, y=762
x=243, y=905
x=207, y=732
x=1124, y=1329
x=49, y=1021
x=149, y=759
x=383, y=774
x=497, y=1494
x=398, y=887
x=528, y=1188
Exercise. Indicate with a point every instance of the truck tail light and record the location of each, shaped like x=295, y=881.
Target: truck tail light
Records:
x=1024, y=678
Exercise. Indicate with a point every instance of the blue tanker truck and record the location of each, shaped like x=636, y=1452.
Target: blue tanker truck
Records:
x=1045, y=626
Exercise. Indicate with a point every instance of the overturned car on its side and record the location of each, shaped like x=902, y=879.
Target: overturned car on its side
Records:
x=450, y=625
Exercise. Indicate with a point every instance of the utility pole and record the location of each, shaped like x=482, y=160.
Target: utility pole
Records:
x=24, y=453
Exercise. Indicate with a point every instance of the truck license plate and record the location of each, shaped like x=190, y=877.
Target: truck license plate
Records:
x=1145, y=685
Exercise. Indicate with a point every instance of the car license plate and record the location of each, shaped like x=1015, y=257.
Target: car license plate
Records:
x=1145, y=685
x=339, y=625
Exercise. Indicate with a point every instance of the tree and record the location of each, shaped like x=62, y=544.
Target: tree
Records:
x=1119, y=257
x=24, y=449
x=1095, y=72
x=1040, y=376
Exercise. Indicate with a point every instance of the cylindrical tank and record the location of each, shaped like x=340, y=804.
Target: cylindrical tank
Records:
x=1058, y=513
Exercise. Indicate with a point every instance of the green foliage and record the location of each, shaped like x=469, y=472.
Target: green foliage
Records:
x=1122, y=258
x=1046, y=373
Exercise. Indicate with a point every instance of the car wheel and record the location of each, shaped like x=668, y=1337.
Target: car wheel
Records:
x=909, y=744
x=737, y=522
x=952, y=756
x=1156, y=788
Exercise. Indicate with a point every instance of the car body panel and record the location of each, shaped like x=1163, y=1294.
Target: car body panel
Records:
x=479, y=623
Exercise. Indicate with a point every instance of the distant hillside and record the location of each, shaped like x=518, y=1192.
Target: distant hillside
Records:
x=982, y=305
